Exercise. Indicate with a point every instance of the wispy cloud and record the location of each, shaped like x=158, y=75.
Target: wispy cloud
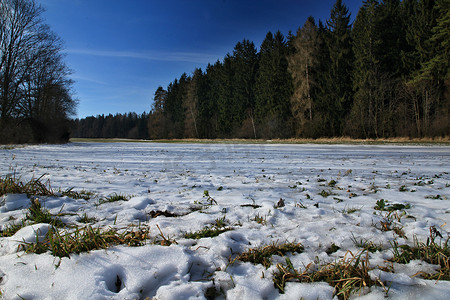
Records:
x=193, y=57
x=77, y=77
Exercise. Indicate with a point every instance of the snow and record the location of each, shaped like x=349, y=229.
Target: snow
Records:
x=13, y=201
x=174, y=178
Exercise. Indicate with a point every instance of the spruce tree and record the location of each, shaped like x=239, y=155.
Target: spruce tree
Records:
x=212, y=90
x=436, y=70
x=263, y=88
x=173, y=110
x=225, y=101
x=245, y=62
x=365, y=45
x=156, y=119
x=423, y=87
x=389, y=30
x=437, y=64
x=377, y=67
x=273, y=88
x=302, y=62
x=341, y=60
x=190, y=104
x=206, y=104
x=321, y=120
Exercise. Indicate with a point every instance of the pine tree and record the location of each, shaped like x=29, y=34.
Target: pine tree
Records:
x=341, y=60
x=190, y=104
x=156, y=119
x=376, y=69
x=159, y=100
x=173, y=109
x=389, y=29
x=212, y=89
x=365, y=45
x=301, y=64
x=436, y=70
x=225, y=101
x=322, y=119
x=423, y=86
x=245, y=64
x=438, y=64
x=273, y=88
x=206, y=104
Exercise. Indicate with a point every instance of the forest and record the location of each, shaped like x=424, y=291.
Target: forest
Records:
x=36, y=97
x=384, y=75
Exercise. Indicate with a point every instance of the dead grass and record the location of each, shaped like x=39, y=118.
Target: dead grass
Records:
x=430, y=252
x=260, y=219
x=86, y=219
x=207, y=232
x=336, y=140
x=85, y=239
x=12, y=228
x=366, y=244
x=83, y=194
x=348, y=275
x=37, y=214
x=38, y=187
x=35, y=187
x=262, y=255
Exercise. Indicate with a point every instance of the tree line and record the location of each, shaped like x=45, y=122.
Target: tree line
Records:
x=35, y=90
x=127, y=126
x=385, y=75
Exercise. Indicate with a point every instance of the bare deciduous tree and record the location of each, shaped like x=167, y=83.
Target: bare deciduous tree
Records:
x=35, y=90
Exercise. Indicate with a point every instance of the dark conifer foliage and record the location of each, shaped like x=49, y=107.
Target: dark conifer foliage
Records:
x=273, y=88
x=127, y=126
x=157, y=120
x=386, y=75
x=376, y=70
x=338, y=84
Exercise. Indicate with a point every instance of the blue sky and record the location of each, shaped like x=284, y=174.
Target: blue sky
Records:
x=120, y=51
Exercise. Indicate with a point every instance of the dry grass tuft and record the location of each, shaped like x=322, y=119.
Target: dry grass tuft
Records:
x=262, y=255
x=114, y=198
x=430, y=252
x=35, y=187
x=62, y=244
x=207, y=232
x=347, y=275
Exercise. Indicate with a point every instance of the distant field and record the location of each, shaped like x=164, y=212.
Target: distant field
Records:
x=343, y=140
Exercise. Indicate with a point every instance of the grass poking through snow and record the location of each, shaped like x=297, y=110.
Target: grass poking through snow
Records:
x=37, y=214
x=114, y=198
x=382, y=205
x=85, y=219
x=207, y=232
x=35, y=187
x=12, y=228
x=430, y=252
x=62, y=244
x=348, y=275
x=263, y=255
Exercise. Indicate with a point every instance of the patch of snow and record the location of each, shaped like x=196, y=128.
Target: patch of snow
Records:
x=12, y=202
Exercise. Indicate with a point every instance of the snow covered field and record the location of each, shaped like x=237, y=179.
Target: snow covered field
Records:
x=329, y=194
